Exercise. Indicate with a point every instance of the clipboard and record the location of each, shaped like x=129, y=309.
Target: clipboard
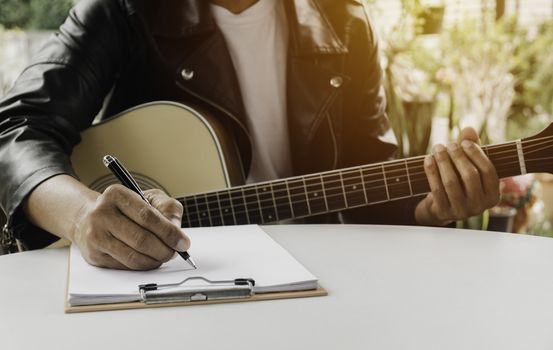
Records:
x=232, y=271
x=155, y=295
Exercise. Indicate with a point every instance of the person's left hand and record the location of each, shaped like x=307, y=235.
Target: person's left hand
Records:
x=463, y=182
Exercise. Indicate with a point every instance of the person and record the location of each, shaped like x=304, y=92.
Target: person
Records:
x=298, y=83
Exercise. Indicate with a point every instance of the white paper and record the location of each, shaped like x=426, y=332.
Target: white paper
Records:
x=220, y=253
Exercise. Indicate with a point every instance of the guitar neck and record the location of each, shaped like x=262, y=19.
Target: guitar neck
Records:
x=326, y=192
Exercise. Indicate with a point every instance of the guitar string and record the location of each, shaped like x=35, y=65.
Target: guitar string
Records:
x=326, y=183
x=399, y=167
x=389, y=172
x=274, y=207
x=326, y=187
x=261, y=210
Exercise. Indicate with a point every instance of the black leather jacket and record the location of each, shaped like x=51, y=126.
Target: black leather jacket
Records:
x=136, y=51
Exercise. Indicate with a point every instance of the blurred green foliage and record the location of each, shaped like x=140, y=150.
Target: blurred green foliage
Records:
x=533, y=106
x=49, y=14
x=34, y=14
x=14, y=13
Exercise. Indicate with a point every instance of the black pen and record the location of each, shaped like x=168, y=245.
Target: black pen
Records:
x=128, y=181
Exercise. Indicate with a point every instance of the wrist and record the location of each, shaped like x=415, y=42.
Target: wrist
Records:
x=88, y=201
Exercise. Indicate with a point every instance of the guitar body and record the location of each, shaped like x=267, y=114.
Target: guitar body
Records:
x=164, y=145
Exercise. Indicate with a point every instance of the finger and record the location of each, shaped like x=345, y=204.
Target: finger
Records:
x=450, y=180
x=469, y=173
x=488, y=173
x=106, y=261
x=169, y=207
x=101, y=259
x=469, y=134
x=127, y=256
x=132, y=206
x=140, y=239
x=438, y=202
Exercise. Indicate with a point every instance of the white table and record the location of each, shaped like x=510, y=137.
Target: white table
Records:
x=389, y=288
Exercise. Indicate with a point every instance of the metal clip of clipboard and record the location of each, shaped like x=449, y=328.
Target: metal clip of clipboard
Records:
x=154, y=293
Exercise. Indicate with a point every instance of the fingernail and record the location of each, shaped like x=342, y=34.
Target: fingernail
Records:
x=182, y=245
x=452, y=147
x=438, y=148
x=176, y=221
x=466, y=144
x=428, y=160
x=174, y=256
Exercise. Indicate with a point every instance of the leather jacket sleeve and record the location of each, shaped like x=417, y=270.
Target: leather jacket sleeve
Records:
x=55, y=98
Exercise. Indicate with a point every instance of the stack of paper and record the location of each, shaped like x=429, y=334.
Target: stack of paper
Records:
x=221, y=253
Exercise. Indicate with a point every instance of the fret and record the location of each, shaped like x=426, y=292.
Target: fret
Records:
x=408, y=177
x=266, y=203
x=334, y=192
x=239, y=207
x=252, y=205
x=507, y=159
x=283, y=203
x=290, y=198
x=385, y=182
x=315, y=195
x=375, y=185
x=191, y=209
x=298, y=198
x=417, y=177
x=354, y=188
x=274, y=201
x=306, y=195
x=323, y=191
x=214, y=209
x=363, y=185
x=227, y=212
x=396, y=179
x=203, y=211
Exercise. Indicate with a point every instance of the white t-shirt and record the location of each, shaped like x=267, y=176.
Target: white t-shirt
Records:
x=257, y=39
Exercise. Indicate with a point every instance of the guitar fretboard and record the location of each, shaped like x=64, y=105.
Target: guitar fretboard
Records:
x=331, y=191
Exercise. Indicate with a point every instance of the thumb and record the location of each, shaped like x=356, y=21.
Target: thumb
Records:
x=469, y=134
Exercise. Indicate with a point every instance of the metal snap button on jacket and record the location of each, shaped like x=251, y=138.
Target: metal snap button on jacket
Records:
x=187, y=74
x=336, y=81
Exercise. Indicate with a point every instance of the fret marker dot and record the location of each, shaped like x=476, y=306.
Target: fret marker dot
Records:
x=316, y=194
x=226, y=210
x=270, y=217
x=204, y=214
x=264, y=189
x=354, y=187
x=397, y=179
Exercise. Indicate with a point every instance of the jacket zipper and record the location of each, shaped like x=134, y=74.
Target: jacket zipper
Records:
x=8, y=243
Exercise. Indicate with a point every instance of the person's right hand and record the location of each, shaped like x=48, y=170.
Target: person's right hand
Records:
x=119, y=230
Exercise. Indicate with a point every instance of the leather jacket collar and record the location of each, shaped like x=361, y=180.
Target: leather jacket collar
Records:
x=310, y=30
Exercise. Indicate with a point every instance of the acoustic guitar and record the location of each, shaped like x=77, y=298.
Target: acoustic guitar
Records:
x=181, y=151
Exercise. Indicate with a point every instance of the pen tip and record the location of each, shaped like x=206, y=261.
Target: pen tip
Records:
x=191, y=262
